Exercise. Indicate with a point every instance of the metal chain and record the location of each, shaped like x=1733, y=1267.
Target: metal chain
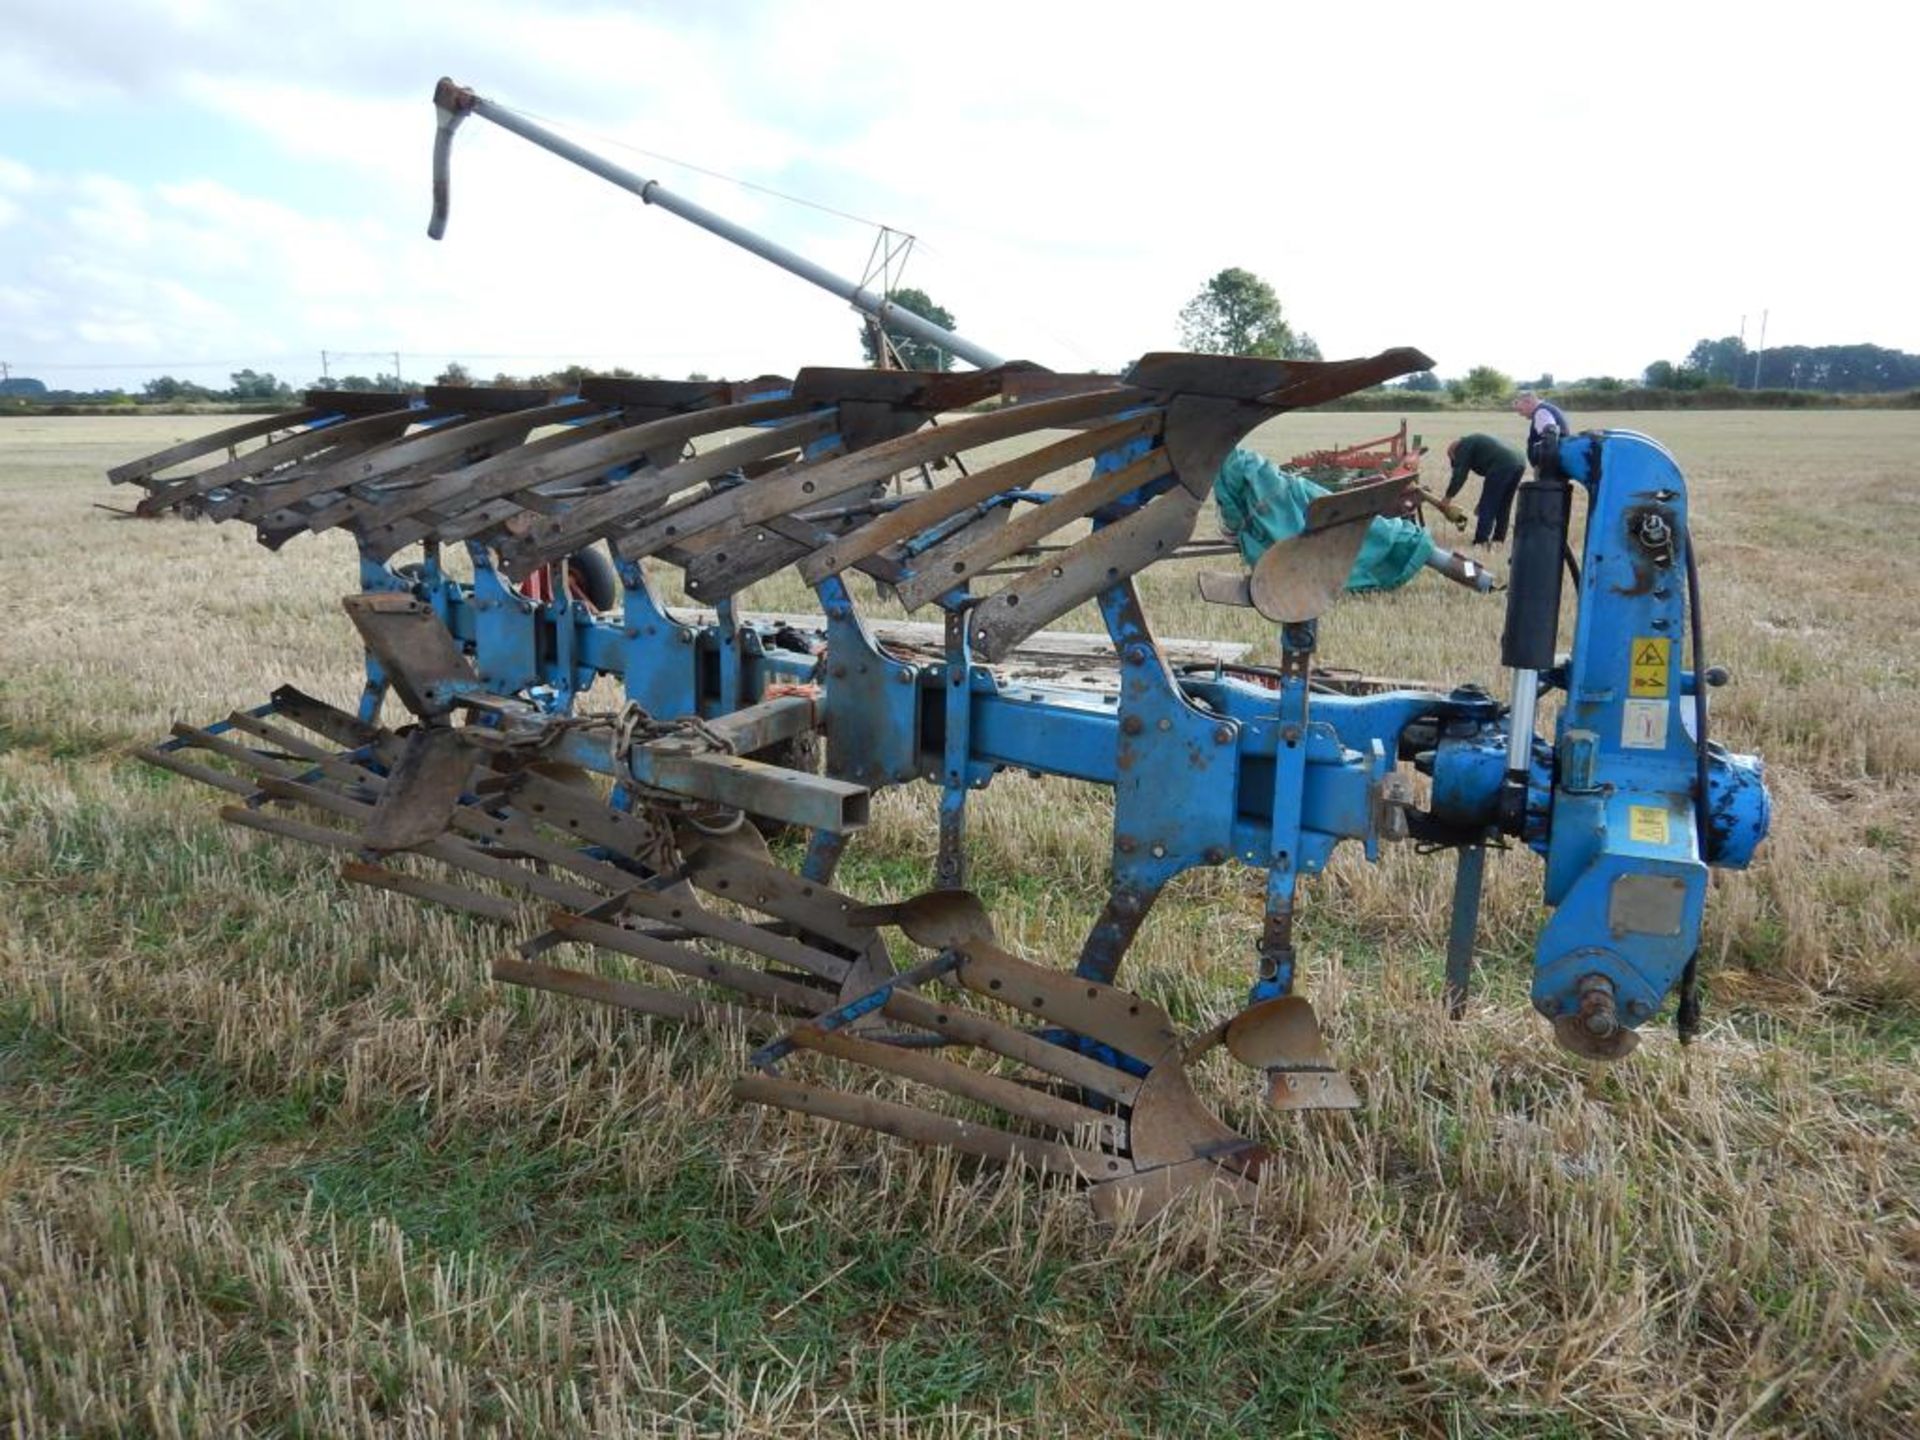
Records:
x=635, y=725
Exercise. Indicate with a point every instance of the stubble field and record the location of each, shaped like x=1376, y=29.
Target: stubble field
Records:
x=277, y=1157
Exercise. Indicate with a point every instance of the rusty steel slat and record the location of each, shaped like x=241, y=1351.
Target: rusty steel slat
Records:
x=516, y=833
x=278, y=494
x=964, y=555
x=280, y=522
x=447, y=849
x=329, y=722
x=300, y=451
x=691, y=963
x=510, y=431
x=274, y=735
x=1115, y=1017
x=1073, y=576
x=964, y=1081
x=149, y=465
x=625, y=445
x=421, y=513
x=950, y=499
x=800, y=486
x=205, y=774
x=753, y=554
x=583, y=812
x=436, y=892
x=923, y=1127
x=766, y=887
x=689, y=915
x=969, y=1027
x=240, y=755
x=627, y=995
x=320, y=836
x=594, y=519
x=472, y=424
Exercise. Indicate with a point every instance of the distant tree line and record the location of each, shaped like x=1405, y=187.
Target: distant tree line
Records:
x=1835, y=369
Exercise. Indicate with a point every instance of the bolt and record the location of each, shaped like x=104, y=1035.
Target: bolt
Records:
x=1163, y=724
x=1125, y=844
x=1223, y=734
x=905, y=677
x=1136, y=655
x=839, y=672
x=1131, y=725
x=1290, y=734
x=1159, y=852
x=1215, y=855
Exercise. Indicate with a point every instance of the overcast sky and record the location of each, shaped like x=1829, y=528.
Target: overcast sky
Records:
x=204, y=185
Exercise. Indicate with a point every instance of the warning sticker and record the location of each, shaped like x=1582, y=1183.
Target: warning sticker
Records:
x=1643, y=725
x=1648, y=666
x=1647, y=824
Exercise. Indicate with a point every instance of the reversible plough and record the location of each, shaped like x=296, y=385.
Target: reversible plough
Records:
x=637, y=835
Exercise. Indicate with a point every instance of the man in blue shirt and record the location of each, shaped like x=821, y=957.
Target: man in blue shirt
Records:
x=1544, y=421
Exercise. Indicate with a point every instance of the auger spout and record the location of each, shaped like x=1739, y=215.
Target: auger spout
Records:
x=453, y=103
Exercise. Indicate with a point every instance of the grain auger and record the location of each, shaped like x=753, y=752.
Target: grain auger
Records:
x=629, y=849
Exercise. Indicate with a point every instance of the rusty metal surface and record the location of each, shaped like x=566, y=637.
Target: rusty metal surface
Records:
x=1074, y=576
x=951, y=499
x=435, y=766
x=419, y=657
x=965, y=555
x=174, y=455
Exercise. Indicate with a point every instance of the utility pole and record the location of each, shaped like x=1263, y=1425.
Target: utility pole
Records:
x=1761, y=351
x=397, y=383
x=324, y=376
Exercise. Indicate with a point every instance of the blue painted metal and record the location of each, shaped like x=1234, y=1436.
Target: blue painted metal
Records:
x=1626, y=870
x=1208, y=768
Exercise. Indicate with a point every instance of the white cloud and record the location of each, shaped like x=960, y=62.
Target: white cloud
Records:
x=1572, y=190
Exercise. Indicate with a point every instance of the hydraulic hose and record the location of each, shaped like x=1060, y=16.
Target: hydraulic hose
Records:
x=1687, y=1017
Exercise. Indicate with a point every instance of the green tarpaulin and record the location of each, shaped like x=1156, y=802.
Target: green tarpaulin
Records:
x=1262, y=504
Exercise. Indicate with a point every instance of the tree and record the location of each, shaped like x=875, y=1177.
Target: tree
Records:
x=1422, y=380
x=454, y=374
x=250, y=385
x=915, y=353
x=1721, y=362
x=1484, y=385
x=1659, y=375
x=1237, y=313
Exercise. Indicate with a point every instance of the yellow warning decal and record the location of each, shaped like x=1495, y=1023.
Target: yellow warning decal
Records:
x=1648, y=667
x=1647, y=823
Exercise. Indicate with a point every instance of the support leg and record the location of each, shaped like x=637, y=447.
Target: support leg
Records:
x=1112, y=934
x=1468, y=873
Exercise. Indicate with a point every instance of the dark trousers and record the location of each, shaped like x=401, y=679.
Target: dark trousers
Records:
x=1496, y=504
